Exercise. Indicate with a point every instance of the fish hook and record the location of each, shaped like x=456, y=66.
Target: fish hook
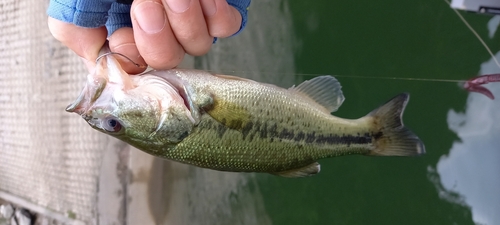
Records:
x=122, y=55
x=474, y=84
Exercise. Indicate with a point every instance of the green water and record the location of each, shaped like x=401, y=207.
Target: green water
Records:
x=404, y=39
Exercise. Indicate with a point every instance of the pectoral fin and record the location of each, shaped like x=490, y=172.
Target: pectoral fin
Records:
x=229, y=114
x=305, y=171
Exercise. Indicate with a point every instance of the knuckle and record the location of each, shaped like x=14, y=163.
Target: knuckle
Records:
x=225, y=24
x=200, y=47
x=223, y=30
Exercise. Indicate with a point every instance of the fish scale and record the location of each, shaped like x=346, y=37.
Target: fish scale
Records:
x=234, y=124
x=261, y=154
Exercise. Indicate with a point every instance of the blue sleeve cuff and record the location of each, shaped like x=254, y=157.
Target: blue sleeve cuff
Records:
x=80, y=12
x=242, y=7
x=91, y=14
x=113, y=15
x=119, y=16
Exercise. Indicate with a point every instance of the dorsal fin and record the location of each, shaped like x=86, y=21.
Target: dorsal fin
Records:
x=324, y=90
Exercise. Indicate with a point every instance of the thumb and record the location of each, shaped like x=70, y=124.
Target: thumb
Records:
x=85, y=42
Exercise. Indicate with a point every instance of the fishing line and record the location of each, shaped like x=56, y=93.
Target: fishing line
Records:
x=122, y=55
x=392, y=78
x=402, y=78
x=341, y=75
x=351, y=76
x=475, y=33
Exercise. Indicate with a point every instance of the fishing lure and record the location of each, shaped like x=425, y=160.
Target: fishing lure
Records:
x=474, y=84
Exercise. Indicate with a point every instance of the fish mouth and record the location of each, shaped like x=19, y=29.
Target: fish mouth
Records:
x=90, y=93
x=107, y=71
x=76, y=105
x=109, y=77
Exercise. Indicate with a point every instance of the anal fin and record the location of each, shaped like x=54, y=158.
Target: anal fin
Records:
x=305, y=171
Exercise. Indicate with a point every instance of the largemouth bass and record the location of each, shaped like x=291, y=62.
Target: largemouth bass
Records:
x=234, y=124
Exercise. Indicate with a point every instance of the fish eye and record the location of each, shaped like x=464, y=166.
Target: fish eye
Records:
x=111, y=124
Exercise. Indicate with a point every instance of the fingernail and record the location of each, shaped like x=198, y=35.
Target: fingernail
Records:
x=208, y=6
x=178, y=6
x=150, y=16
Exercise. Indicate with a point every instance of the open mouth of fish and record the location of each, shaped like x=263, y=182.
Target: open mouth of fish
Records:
x=93, y=90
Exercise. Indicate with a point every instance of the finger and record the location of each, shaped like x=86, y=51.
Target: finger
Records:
x=85, y=42
x=153, y=36
x=222, y=19
x=189, y=26
x=122, y=41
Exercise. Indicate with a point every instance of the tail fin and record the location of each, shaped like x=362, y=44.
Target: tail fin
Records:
x=392, y=138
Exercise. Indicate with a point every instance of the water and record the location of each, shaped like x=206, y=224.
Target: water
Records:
x=420, y=40
x=456, y=182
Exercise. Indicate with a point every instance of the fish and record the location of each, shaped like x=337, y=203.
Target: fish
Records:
x=229, y=123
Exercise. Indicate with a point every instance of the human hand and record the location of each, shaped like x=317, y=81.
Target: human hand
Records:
x=163, y=31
